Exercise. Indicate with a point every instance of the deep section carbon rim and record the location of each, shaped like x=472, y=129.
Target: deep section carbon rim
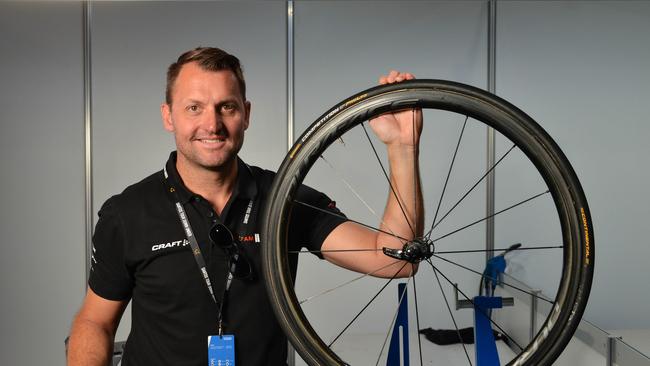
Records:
x=542, y=208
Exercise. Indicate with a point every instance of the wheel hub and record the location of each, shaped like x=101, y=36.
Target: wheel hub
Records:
x=414, y=251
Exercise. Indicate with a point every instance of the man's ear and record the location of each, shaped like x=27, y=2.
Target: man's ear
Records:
x=166, y=114
x=247, y=109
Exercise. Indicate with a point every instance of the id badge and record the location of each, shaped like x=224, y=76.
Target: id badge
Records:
x=221, y=350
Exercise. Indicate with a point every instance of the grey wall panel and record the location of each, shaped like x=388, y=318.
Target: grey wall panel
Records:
x=342, y=48
x=133, y=43
x=132, y=46
x=581, y=69
x=41, y=144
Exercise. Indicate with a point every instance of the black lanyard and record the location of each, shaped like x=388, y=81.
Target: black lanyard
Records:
x=198, y=256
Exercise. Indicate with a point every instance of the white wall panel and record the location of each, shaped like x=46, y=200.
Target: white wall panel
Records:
x=581, y=69
x=41, y=143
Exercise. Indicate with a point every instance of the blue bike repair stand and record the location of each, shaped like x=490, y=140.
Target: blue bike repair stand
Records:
x=401, y=322
x=484, y=343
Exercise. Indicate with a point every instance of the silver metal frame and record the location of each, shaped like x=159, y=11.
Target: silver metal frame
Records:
x=290, y=76
x=534, y=295
x=489, y=206
x=615, y=350
x=87, y=19
x=291, y=353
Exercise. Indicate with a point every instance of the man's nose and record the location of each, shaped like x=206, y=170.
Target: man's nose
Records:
x=213, y=121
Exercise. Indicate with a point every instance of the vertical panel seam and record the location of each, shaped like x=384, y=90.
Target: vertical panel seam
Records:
x=490, y=183
x=290, y=75
x=88, y=185
x=291, y=354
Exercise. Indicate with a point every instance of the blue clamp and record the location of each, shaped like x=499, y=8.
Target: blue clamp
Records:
x=493, y=269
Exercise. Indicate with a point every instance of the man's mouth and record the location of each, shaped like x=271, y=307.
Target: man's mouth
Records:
x=211, y=140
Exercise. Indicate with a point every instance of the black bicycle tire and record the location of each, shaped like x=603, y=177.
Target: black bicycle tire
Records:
x=550, y=161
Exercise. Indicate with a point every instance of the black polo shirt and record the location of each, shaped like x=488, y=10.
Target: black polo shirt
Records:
x=140, y=252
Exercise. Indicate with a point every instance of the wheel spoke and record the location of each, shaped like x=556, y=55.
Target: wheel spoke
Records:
x=347, y=282
x=451, y=167
x=472, y=302
x=415, y=171
x=302, y=251
x=492, y=215
x=368, y=304
x=470, y=190
x=418, y=200
x=417, y=315
x=354, y=221
x=453, y=319
x=490, y=278
x=392, y=323
x=357, y=194
x=497, y=250
x=390, y=184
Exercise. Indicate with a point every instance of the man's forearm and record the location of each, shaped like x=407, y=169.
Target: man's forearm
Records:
x=89, y=344
x=404, y=213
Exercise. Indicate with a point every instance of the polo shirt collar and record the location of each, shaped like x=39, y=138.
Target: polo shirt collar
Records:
x=245, y=187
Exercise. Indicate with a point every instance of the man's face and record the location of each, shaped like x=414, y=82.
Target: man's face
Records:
x=208, y=117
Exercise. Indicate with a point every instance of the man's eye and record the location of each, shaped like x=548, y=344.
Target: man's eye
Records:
x=193, y=108
x=229, y=107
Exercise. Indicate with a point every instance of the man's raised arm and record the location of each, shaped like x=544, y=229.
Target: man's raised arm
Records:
x=403, y=217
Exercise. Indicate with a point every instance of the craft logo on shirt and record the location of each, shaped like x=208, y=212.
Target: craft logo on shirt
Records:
x=171, y=244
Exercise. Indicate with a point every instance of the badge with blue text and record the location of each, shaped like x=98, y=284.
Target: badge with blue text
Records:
x=221, y=350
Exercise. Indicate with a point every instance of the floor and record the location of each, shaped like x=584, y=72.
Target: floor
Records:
x=365, y=348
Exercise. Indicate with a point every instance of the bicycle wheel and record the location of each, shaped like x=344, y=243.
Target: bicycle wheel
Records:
x=552, y=223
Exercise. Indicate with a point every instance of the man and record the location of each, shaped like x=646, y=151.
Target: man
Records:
x=145, y=236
